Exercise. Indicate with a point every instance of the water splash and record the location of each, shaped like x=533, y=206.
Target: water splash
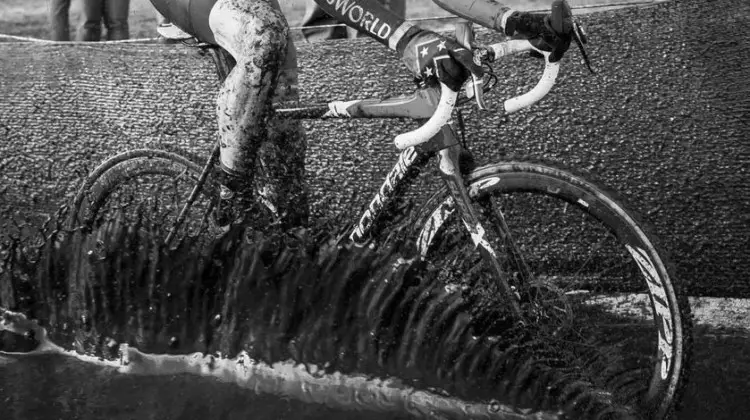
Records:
x=305, y=383
x=344, y=327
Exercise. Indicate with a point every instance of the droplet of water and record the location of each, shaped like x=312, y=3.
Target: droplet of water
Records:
x=111, y=343
x=174, y=342
x=124, y=359
x=86, y=321
x=494, y=406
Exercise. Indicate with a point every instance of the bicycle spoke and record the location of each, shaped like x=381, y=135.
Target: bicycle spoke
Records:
x=587, y=296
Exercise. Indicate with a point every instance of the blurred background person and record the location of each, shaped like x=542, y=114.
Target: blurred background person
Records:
x=113, y=14
x=314, y=16
x=59, y=19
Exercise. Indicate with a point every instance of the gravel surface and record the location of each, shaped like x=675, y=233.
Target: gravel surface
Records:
x=664, y=122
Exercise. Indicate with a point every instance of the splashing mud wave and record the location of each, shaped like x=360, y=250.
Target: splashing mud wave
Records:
x=346, y=328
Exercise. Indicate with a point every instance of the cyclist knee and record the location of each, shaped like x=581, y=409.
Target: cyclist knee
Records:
x=250, y=31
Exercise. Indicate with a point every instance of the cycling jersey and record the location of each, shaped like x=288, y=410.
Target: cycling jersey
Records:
x=192, y=16
x=369, y=16
x=381, y=24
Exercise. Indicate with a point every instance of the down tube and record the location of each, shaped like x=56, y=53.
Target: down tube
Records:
x=403, y=173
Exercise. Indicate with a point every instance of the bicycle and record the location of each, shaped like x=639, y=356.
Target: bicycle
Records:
x=536, y=284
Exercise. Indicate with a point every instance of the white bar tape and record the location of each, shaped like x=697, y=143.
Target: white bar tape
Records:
x=441, y=117
x=502, y=49
x=539, y=91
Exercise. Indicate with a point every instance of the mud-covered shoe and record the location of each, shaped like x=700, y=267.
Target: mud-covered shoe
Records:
x=228, y=210
x=236, y=209
x=235, y=197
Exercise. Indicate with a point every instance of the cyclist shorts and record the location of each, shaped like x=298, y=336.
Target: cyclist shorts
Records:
x=189, y=15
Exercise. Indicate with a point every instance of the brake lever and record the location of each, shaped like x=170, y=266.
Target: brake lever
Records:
x=579, y=36
x=466, y=37
x=478, y=84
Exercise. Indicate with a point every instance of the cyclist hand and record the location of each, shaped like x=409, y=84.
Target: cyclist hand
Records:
x=552, y=32
x=433, y=58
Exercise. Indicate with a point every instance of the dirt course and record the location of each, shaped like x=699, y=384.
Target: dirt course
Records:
x=682, y=112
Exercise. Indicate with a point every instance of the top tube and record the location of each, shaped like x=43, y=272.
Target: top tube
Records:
x=420, y=104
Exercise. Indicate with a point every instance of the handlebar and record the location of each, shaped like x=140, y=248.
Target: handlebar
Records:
x=442, y=115
x=448, y=97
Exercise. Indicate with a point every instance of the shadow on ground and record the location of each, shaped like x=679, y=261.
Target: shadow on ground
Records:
x=719, y=384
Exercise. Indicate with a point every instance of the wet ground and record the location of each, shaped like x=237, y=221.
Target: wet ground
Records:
x=59, y=387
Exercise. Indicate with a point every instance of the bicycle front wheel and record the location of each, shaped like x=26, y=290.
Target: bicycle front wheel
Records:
x=624, y=321
x=147, y=188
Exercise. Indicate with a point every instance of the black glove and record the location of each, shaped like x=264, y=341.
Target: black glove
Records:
x=552, y=32
x=433, y=58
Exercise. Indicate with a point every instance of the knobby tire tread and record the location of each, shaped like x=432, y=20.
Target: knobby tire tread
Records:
x=114, y=172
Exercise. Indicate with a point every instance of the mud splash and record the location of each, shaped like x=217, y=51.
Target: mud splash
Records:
x=347, y=328
x=305, y=383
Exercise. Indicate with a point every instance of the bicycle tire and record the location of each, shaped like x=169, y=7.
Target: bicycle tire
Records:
x=125, y=167
x=537, y=182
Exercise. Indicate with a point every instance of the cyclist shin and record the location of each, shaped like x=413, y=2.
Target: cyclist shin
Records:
x=488, y=13
x=282, y=157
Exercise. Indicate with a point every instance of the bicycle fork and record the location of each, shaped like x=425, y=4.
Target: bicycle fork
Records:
x=448, y=162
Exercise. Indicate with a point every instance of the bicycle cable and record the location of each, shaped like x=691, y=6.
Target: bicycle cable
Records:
x=487, y=85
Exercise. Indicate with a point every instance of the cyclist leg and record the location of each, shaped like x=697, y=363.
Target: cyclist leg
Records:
x=282, y=157
x=255, y=33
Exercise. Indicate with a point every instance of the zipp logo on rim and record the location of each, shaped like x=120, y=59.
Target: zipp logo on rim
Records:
x=661, y=308
x=482, y=184
x=433, y=225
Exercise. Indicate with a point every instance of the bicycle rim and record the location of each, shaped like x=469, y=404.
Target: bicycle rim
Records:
x=149, y=192
x=625, y=324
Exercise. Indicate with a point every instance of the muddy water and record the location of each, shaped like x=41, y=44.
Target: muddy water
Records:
x=219, y=329
x=59, y=387
x=47, y=381
x=165, y=338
